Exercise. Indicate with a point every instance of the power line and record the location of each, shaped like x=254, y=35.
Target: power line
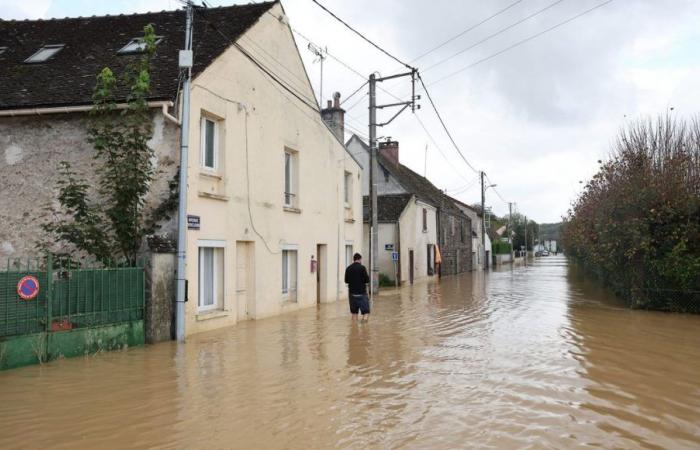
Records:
x=495, y=190
x=354, y=92
x=361, y=35
x=444, y=126
x=442, y=153
x=502, y=30
x=521, y=42
x=462, y=33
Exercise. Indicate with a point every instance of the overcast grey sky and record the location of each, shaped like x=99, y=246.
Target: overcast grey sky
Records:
x=536, y=118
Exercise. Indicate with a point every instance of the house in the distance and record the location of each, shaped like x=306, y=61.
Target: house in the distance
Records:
x=428, y=208
x=481, y=251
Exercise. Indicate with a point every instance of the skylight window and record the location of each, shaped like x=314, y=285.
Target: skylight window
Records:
x=136, y=45
x=44, y=53
x=2, y=50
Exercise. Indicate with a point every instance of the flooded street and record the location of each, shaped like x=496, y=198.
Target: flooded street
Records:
x=530, y=357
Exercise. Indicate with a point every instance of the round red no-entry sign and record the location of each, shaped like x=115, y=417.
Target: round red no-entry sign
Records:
x=28, y=287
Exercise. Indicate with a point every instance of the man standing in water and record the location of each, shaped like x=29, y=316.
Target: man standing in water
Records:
x=357, y=278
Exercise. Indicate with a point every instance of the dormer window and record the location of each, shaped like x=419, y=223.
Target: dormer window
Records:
x=44, y=54
x=136, y=45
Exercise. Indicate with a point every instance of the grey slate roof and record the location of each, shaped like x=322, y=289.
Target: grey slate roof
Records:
x=389, y=207
x=91, y=43
x=416, y=184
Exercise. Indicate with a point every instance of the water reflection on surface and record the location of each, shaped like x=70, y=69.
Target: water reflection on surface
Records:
x=530, y=357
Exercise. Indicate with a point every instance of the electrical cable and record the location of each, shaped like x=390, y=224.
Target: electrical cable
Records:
x=362, y=36
x=354, y=92
x=462, y=33
x=502, y=30
x=444, y=126
x=521, y=42
x=442, y=153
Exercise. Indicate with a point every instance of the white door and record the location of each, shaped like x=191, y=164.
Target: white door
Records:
x=245, y=297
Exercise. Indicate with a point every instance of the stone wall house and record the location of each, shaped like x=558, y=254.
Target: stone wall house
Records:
x=453, y=229
x=481, y=251
x=277, y=196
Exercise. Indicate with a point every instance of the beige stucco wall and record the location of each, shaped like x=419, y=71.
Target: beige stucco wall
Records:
x=243, y=201
x=31, y=147
x=414, y=238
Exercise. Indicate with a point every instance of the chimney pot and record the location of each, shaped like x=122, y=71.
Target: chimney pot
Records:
x=334, y=116
x=336, y=100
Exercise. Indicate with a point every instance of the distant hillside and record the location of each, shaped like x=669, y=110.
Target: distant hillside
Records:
x=549, y=231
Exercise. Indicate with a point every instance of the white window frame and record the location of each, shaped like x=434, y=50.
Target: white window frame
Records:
x=211, y=244
x=203, y=143
x=136, y=45
x=291, y=192
x=53, y=49
x=290, y=293
x=347, y=179
x=348, y=256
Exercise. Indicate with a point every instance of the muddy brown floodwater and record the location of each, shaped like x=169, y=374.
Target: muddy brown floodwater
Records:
x=530, y=357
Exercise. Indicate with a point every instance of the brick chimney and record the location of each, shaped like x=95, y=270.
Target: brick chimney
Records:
x=334, y=116
x=390, y=151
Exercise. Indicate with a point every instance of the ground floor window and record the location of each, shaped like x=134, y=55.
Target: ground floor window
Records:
x=348, y=254
x=289, y=275
x=211, y=278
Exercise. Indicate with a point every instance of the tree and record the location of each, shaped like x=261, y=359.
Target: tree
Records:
x=107, y=222
x=637, y=222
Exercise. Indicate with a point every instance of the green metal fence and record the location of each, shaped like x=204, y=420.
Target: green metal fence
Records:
x=71, y=295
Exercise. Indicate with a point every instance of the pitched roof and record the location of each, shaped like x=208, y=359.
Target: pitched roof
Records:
x=469, y=207
x=389, y=207
x=419, y=185
x=414, y=183
x=92, y=43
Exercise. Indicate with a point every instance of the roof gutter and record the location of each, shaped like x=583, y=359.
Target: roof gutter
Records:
x=163, y=104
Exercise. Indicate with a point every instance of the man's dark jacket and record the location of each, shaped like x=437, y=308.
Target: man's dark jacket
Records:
x=356, y=278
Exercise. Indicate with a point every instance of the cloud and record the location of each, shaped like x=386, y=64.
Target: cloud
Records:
x=13, y=9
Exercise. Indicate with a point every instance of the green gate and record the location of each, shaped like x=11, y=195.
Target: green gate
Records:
x=80, y=309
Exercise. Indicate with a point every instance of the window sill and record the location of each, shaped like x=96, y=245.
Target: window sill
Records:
x=347, y=206
x=211, y=314
x=425, y=231
x=209, y=174
x=349, y=220
x=223, y=198
x=292, y=209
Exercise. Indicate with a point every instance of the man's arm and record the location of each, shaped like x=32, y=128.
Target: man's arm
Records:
x=366, y=275
x=346, y=276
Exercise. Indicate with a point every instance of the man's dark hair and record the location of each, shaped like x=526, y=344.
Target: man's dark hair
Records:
x=356, y=257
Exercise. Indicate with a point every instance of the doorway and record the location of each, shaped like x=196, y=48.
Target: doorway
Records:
x=321, y=278
x=410, y=266
x=245, y=280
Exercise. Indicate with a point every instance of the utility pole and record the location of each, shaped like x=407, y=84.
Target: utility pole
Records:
x=185, y=62
x=483, y=222
x=321, y=55
x=373, y=228
x=373, y=168
x=510, y=229
x=526, y=240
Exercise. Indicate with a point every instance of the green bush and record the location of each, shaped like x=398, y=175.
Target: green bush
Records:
x=385, y=281
x=501, y=248
x=637, y=222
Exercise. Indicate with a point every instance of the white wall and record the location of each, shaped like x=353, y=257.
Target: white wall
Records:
x=413, y=238
x=243, y=200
